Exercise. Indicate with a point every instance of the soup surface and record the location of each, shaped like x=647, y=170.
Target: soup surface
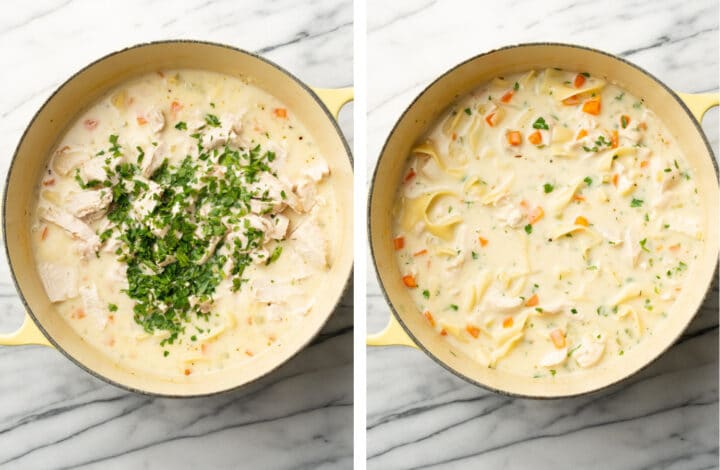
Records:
x=185, y=224
x=546, y=224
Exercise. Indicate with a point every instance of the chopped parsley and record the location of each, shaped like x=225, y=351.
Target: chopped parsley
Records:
x=540, y=124
x=176, y=256
x=528, y=229
x=181, y=126
x=426, y=294
x=643, y=242
x=454, y=307
x=467, y=111
x=548, y=188
x=587, y=180
x=516, y=87
x=636, y=202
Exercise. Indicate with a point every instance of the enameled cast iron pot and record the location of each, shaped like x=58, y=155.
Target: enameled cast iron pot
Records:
x=317, y=109
x=681, y=112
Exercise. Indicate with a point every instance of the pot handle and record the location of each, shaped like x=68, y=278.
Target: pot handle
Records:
x=699, y=103
x=392, y=335
x=335, y=98
x=28, y=333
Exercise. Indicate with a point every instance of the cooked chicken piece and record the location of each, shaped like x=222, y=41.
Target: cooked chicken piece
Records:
x=145, y=204
x=268, y=291
x=78, y=229
x=273, y=194
x=156, y=120
x=210, y=249
x=154, y=160
x=553, y=358
x=68, y=158
x=632, y=248
x=93, y=305
x=311, y=243
x=118, y=275
x=204, y=305
x=511, y=215
x=306, y=192
x=317, y=170
x=499, y=303
x=276, y=226
x=60, y=281
x=228, y=131
x=91, y=204
x=94, y=170
x=589, y=352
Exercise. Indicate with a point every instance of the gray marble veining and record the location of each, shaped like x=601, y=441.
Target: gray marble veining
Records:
x=54, y=415
x=420, y=415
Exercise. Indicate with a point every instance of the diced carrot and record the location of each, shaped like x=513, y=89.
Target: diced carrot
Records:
x=430, y=318
x=578, y=197
x=507, y=97
x=410, y=175
x=203, y=348
x=474, y=331
x=535, y=138
x=187, y=372
x=592, y=106
x=483, y=241
x=674, y=247
x=49, y=182
x=615, y=179
x=111, y=318
x=420, y=253
x=524, y=205
x=514, y=137
x=532, y=301
x=175, y=106
x=644, y=163
x=558, y=338
x=44, y=233
x=454, y=136
x=409, y=281
x=624, y=121
x=399, y=243
x=536, y=214
x=642, y=126
x=280, y=112
x=141, y=120
x=250, y=320
x=571, y=101
x=490, y=119
x=90, y=124
x=80, y=313
x=579, y=80
x=508, y=322
x=581, y=134
x=111, y=342
x=249, y=353
x=443, y=332
x=614, y=139
x=580, y=220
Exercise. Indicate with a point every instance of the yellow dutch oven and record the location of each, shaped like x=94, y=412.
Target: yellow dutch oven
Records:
x=316, y=108
x=407, y=327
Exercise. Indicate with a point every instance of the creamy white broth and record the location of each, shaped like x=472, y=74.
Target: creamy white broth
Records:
x=160, y=113
x=546, y=224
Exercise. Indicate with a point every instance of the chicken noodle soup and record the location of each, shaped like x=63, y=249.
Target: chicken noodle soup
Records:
x=185, y=224
x=546, y=224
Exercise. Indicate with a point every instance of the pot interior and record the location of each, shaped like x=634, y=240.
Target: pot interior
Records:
x=81, y=91
x=461, y=80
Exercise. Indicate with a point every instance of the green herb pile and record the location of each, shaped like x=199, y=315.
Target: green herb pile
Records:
x=173, y=252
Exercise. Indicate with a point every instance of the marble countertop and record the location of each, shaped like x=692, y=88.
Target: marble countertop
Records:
x=54, y=415
x=418, y=414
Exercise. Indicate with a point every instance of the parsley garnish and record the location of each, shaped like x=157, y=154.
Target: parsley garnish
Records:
x=182, y=126
x=528, y=229
x=540, y=124
x=636, y=202
x=548, y=188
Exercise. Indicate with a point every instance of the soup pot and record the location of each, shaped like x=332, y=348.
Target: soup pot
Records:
x=316, y=108
x=408, y=327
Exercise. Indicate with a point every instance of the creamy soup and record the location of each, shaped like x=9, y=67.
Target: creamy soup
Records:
x=546, y=224
x=185, y=224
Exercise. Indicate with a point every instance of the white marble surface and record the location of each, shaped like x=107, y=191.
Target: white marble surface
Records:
x=419, y=415
x=54, y=415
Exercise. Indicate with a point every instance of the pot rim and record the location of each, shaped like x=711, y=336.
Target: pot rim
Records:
x=27, y=308
x=403, y=116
